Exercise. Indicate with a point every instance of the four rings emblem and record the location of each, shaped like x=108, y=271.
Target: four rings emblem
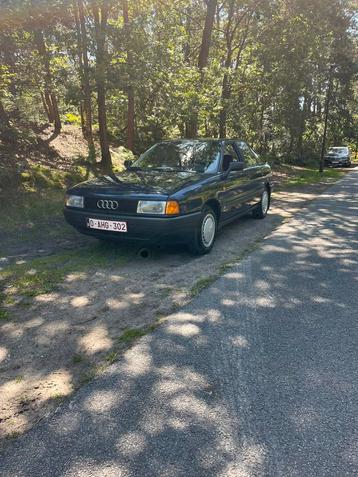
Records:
x=107, y=204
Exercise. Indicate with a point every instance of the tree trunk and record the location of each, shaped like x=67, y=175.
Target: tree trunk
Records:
x=57, y=120
x=45, y=106
x=206, y=38
x=50, y=96
x=8, y=47
x=226, y=85
x=326, y=116
x=100, y=15
x=130, y=89
x=191, y=127
x=84, y=74
x=51, y=116
x=4, y=120
x=225, y=96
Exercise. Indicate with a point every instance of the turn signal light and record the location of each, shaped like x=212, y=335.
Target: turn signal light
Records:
x=172, y=208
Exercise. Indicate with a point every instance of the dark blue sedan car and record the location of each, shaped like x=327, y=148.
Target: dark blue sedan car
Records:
x=180, y=191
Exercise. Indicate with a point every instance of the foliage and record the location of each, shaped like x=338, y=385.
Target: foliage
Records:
x=265, y=80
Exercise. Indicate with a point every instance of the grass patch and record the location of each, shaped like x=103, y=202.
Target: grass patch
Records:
x=23, y=210
x=57, y=397
x=4, y=315
x=39, y=177
x=305, y=176
x=131, y=334
x=87, y=377
x=202, y=283
x=77, y=358
x=111, y=357
x=43, y=275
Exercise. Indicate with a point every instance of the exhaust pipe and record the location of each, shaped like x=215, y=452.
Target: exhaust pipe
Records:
x=144, y=253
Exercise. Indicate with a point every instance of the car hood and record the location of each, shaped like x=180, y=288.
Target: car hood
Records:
x=141, y=182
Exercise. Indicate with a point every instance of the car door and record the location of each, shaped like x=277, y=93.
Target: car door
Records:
x=233, y=185
x=253, y=173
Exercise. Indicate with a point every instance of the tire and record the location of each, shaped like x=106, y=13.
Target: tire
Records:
x=260, y=211
x=205, y=234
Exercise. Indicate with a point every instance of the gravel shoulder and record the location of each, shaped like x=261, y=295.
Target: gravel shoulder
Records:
x=57, y=341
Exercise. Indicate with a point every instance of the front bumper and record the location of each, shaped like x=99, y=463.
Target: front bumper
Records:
x=337, y=162
x=178, y=229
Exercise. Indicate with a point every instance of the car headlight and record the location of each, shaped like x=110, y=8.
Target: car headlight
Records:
x=158, y=207
x=74, y=201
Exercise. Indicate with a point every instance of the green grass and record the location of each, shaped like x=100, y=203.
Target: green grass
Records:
x=23, y=210
x=4, y=315
x=40, y=195
x=202, y=283
x=77, y=358
x=131, y=334
x=58, y=397
x=111, y=357
x=43, y=275
x=312, y=176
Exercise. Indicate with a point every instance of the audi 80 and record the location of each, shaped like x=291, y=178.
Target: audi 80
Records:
x=180, y=191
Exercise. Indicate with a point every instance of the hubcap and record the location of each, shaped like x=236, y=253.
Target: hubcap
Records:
x=208, y=230
x=264, y=202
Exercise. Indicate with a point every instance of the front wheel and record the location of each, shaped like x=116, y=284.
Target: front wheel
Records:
x=205, y=234
x=260, y=211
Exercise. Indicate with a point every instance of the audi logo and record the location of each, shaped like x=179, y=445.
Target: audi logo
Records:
x=107, y=204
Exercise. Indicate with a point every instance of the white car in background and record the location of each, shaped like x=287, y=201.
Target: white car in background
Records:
x=338, y=156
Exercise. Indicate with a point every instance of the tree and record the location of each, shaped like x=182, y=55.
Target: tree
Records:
x=82, y=39
x=50, y=99
x=100, y=12
x=130, y=88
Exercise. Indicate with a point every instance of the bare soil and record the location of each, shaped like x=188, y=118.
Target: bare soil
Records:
x=45, y=147
x=62, y=339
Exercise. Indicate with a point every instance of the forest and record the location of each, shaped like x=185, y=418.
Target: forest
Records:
x=132, y=73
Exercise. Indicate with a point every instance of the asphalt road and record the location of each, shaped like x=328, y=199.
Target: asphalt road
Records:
x=258, y=376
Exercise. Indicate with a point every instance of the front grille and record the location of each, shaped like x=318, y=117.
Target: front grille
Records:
x=111, y=205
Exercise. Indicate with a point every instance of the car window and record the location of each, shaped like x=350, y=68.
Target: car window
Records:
x=190, y=155
x=229, y=149
x=338, y=150
x=250, y=157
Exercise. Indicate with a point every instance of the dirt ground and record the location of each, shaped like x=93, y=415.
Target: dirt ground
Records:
x=62, y=339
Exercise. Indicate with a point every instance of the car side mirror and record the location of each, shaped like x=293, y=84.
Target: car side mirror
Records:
x=127, y=163
x=236, y=166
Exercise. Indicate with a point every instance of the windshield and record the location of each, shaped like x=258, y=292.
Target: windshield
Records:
x=197, y=156
x=338, y=150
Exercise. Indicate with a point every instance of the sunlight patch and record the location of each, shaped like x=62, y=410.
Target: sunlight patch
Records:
x=188, y=329
x=96, y=340
x=79, y=301
x=132, y=443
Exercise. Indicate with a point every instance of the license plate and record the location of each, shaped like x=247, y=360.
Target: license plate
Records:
x=110, y=225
